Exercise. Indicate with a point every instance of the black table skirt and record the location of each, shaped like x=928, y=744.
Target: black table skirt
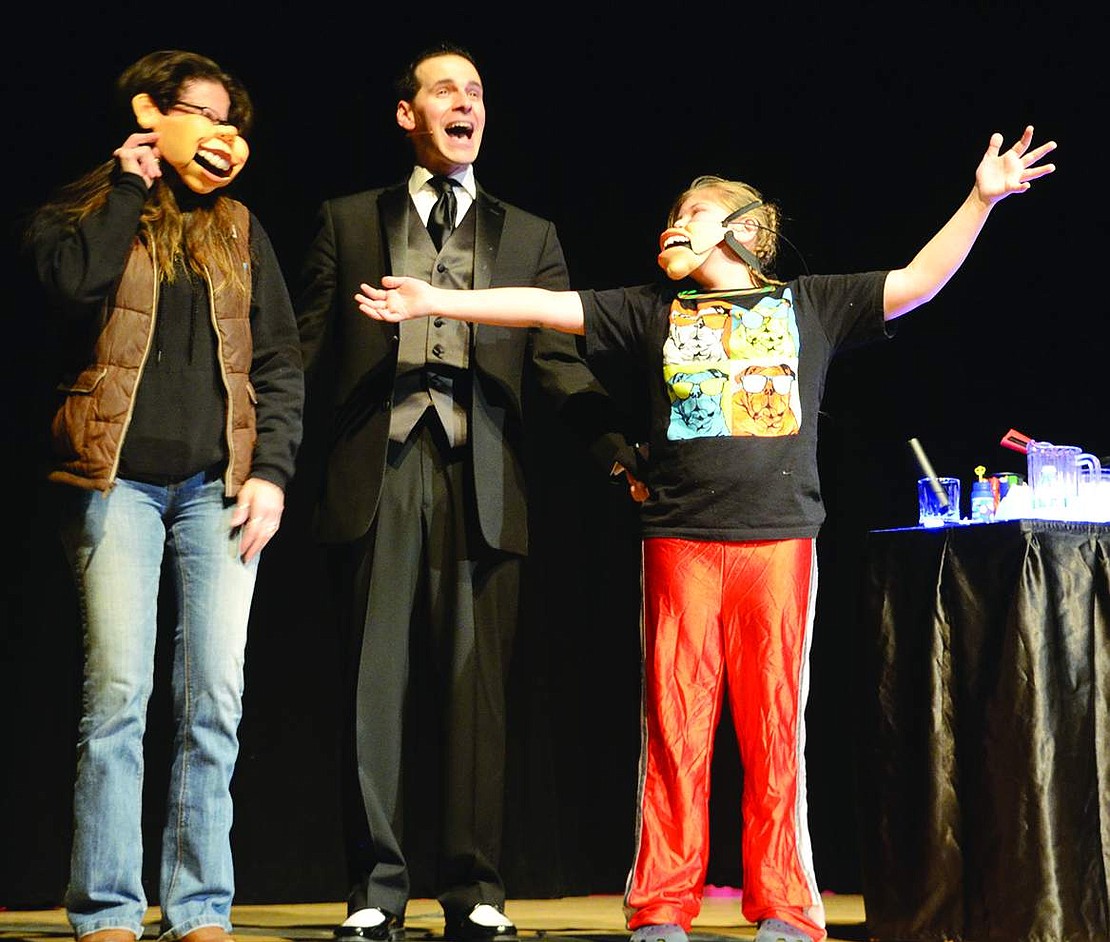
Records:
x=985, y=733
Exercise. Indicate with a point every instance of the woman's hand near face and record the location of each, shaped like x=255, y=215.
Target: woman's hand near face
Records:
x=139, y=154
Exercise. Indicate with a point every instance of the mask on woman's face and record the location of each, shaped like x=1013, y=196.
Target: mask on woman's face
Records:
x=194, y=136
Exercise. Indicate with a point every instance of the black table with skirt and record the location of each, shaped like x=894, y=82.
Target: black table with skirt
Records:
x=985, y=733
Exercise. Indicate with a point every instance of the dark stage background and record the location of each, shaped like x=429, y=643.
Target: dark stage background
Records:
x=865, y=122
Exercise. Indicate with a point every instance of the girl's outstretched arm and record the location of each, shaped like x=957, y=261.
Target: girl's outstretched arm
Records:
x=998, y=175
x=400, y=299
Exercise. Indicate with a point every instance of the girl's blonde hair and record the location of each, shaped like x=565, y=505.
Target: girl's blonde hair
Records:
x=735, y=195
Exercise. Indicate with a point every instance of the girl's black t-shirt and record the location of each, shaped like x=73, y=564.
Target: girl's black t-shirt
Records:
x=733, y=381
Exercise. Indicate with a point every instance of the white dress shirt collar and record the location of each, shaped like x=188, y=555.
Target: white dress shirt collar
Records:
x=424, y=196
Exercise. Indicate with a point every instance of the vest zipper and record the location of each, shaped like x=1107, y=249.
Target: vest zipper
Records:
x=142, y=367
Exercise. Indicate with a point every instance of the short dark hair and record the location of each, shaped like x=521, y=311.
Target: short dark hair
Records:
x=406, y=85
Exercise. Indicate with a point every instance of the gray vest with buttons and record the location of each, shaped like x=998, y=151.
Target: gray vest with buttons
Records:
x=434, y=353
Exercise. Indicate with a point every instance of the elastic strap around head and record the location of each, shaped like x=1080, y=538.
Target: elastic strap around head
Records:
x=743, y=251
x=732, y=217
x=733, y=243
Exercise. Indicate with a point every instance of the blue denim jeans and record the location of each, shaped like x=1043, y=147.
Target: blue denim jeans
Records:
x=115, y=544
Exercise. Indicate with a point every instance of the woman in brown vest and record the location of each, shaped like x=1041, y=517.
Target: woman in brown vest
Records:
x=173, y=441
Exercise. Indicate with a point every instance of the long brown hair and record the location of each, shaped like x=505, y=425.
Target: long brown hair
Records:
x=204, y=236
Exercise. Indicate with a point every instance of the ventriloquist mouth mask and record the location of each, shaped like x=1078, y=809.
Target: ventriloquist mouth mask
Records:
x=682, y=251
x=204, y=148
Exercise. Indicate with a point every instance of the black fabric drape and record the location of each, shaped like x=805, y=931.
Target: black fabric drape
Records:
x=985, y=739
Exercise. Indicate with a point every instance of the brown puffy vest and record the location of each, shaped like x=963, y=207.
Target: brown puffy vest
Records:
x=89, y=427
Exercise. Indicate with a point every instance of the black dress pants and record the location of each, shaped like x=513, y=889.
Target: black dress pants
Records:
x=423, y=583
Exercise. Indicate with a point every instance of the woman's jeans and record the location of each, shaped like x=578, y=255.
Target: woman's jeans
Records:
x=115, y=544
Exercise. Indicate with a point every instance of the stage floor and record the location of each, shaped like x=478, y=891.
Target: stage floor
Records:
x=579, y=918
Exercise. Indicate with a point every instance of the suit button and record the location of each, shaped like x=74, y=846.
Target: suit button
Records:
x=438, y=322
x=441, y=268
x=437, y=350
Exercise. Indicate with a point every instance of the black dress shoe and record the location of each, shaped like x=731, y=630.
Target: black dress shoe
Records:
x=463, y=928
x=390, y=929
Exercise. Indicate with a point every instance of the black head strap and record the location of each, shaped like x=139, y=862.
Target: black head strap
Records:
x=733, y=243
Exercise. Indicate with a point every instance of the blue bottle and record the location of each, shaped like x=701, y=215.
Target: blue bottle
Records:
x=982, y=502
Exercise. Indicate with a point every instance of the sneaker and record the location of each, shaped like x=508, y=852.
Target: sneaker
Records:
x=665, y=932
x=775, y=930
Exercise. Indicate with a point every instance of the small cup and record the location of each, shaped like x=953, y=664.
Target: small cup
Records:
x=930, y=513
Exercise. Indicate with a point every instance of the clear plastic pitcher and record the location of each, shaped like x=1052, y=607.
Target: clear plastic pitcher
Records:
x=1054, y=476
x=1054, y=473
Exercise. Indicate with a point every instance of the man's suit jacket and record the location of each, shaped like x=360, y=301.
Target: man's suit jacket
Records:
x=361, y=237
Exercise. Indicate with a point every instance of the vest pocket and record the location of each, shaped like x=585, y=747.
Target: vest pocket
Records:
x=71, y=420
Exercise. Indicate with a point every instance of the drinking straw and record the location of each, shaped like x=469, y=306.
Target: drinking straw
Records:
x=928, y=471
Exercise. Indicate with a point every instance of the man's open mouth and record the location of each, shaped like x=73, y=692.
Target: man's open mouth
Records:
x=460, y=129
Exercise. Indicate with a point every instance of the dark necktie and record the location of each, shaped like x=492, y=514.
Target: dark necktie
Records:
x=441, y=221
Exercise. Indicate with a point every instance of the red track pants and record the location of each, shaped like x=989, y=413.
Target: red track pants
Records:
x=741, y=611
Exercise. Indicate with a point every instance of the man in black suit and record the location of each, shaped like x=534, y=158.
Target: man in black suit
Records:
x=423, y=502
